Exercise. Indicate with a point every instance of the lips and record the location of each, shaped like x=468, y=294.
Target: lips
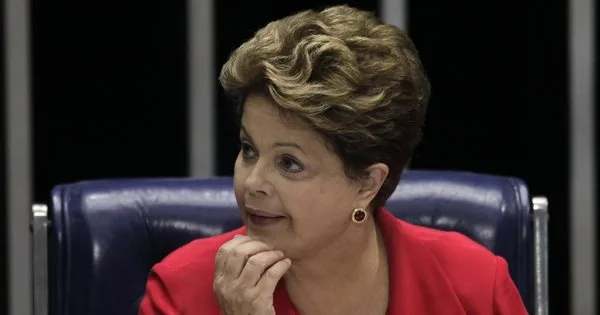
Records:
x=260, y=213
x=262, y=219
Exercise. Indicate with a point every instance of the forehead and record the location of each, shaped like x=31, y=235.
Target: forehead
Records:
x=263, y=117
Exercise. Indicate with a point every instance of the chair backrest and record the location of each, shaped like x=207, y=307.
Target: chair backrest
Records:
x=106, y=235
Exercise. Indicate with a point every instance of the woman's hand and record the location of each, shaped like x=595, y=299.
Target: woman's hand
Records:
x=246, y=274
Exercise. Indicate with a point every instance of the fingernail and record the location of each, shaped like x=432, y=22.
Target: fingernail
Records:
x=237, y=236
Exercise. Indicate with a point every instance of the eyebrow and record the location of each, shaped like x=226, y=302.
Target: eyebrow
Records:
x=276, y=144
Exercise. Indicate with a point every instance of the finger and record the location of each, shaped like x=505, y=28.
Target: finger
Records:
x=225, y=250
x=238, y=256
x=257, y=264
x=268, y=281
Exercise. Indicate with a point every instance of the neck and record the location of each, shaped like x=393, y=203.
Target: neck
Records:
x=344, y=269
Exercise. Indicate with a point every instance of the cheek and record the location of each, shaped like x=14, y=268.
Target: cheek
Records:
x=239, y=176
x=318, y=204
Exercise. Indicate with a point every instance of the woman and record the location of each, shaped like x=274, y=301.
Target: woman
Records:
x=331, y=105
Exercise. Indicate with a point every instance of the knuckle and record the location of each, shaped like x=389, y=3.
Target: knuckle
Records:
x=225, y=288
x=219, y=279
x=272, y=273
x=217, y=288
x=229, y=295
x=256, y=262
x=222, y=252
x=247, y=295
x=236, y=253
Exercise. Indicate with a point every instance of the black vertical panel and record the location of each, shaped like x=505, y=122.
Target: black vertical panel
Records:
x=231, y=30
x=3, y=201
x=596, y=110
x=500, y=102
x=109, y=90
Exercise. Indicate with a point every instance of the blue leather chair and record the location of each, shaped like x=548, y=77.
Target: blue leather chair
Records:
x=96, y=242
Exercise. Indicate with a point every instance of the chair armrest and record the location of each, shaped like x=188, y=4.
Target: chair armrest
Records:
x=39, y=229
x=540, y=228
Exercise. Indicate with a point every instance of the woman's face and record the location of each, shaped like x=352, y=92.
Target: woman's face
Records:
x=291, y=189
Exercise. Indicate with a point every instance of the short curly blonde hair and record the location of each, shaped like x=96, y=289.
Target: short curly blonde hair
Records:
x=356, y=81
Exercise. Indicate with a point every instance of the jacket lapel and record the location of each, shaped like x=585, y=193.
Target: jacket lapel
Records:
x=418, y=284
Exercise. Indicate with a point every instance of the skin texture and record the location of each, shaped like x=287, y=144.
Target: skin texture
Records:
x=285, y=169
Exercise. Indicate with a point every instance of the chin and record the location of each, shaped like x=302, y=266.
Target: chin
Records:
x=273, y=239
x=261, y=234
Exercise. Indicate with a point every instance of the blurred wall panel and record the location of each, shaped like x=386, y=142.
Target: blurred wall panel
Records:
x=583, y=158
x=500, y=102
x=109, y=90
x=201, y=74
x=394, y=12
x=3, y=167
x=18, y=156
x=234, y=25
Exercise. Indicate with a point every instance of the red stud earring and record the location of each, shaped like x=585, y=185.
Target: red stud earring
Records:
x=359, y=215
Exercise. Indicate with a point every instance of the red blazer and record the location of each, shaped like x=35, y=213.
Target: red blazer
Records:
x=431, y=272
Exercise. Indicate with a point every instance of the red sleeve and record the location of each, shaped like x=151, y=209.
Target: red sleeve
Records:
x=507, y=300
x=159, y=298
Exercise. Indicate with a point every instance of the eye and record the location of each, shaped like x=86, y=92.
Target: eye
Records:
x=290, y=165
x=248, y=152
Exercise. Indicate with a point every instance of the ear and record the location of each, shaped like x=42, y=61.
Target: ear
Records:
x=371, y=183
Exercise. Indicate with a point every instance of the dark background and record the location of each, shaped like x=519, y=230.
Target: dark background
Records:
x=109, y=82
x=109, y=90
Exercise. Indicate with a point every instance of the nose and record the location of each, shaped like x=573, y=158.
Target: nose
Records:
x=256, y=183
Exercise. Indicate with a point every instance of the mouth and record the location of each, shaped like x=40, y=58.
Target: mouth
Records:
x=262, y=218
